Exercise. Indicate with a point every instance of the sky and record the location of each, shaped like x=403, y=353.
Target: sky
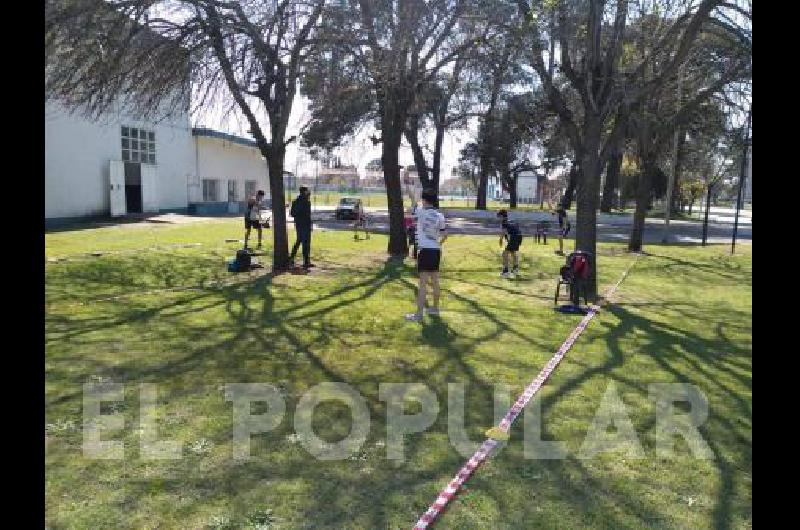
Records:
x=358, y=151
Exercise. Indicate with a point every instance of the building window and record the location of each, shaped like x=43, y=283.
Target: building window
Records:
x=231, y=191
x=249, y=188
x=210, y=191
x=138, y=145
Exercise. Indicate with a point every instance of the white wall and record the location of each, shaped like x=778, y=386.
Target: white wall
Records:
x=526, y=186
x=216, y=158
x=78, y=151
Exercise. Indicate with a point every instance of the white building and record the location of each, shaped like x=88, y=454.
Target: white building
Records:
x=120, y=165
x=227, y=170
x=527, y=187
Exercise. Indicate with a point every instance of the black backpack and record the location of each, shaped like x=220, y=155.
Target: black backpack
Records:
x=242, y=260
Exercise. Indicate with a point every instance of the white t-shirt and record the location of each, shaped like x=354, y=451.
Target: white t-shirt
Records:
x=255, y=212
x=430, y=223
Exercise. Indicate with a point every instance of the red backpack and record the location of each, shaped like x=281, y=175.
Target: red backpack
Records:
x=580, y=266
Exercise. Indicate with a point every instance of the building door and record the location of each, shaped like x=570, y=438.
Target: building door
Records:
x=233, y=206
x=116, y=174
x=133, y=187
x=149, y=187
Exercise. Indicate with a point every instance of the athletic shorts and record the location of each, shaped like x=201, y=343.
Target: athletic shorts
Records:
x=249, y=223
x=513, y=244
x=428, y=259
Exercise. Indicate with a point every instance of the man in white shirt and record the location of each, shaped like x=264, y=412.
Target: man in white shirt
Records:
x=252, y=217
x=430, y=233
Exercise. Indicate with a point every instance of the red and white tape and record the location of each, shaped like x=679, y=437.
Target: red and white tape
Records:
x=505, y=424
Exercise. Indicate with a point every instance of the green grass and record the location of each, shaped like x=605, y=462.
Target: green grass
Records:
x=179, y=320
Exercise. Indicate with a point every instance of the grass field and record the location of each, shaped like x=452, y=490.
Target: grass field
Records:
x=159, y=307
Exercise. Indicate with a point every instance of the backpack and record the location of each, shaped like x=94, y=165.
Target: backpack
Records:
x=580, y=266
x=242, y=260
x=293, y=209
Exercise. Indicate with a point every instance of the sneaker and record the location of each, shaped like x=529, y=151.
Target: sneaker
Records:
x=433, y=310
x=505, y=274
x=413, y=317
x=515, y=272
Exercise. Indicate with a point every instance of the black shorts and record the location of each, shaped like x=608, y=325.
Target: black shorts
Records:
x=428, y=259
x=513, y=244
x=249, y=223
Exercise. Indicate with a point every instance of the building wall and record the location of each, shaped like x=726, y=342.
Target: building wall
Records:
x=220, y=159
x=78, y=152
x=526, y=187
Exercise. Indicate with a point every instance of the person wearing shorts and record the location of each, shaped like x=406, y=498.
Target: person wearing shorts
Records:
x=360, y=223
x=252, y=217
x=513, y=237
x=431, y=232
x=564, y=227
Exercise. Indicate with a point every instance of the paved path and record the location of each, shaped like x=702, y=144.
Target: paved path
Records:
x=609, y=227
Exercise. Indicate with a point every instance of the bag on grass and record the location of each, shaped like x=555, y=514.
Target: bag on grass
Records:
x=242, y=260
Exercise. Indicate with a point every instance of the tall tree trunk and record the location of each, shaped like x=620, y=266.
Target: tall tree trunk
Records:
x=412, y=135
x=705, y=217
x=483, y=182
x=512, y=192
x=677, y=200
x=487, y=145
x=437, y=156
x=612, y=182
x=394, y=194
x=572, y=182
x=280, y=243
x=587, y=187
x=643, y=195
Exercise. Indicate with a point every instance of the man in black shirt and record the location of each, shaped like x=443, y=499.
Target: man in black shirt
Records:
x=301, y=211
x=513, y=235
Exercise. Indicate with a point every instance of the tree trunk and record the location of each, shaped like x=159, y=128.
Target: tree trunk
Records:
x=574, y=172
x=280, y=242
x=394, y=193
x=587, y=186
x=511, y=182
x=677, y=200
x=483, y=182
x=705, y=219
x=437, y=157
x=412, y=135
x=643, y=194
x=612, y=182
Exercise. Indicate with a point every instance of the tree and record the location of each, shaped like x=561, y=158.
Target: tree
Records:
x=592, y=73
x=246, y=55
x=716, y=60
x=393, y=52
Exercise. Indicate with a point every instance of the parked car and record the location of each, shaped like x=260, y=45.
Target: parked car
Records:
x=349, y=208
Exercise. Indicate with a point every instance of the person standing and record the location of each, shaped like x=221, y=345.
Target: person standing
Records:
x=431, y=232
x=564, y=227
x=252, y=217
x=511, y=233
x=301, y=212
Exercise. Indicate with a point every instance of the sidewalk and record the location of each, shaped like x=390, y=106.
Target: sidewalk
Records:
x=717, y=215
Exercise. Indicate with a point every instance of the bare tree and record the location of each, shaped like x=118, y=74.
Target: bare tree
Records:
x=591, y=64
x=151, y=55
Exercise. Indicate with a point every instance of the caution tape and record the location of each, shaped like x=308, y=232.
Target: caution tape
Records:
x=497, y=435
